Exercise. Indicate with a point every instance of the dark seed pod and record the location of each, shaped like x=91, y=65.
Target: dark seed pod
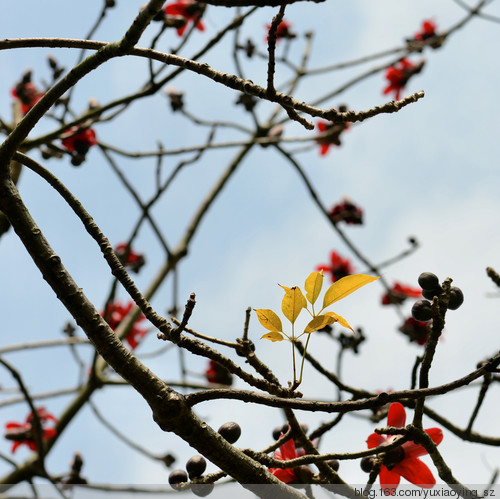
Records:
x=421, y=310
x=77, y=159
x=303, y=473
x=202, y=489
x=428, y=281
x=334, y=464
x=277, y=433
x=176, y=477
x=196, y=466
x=367, y=464
x=430, y=294
x=230, y=431
x=456, y=298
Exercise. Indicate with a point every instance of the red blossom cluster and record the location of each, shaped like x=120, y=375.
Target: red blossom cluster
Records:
x=129, y=258
x=399, y=74
x=334, y=130
x=23, y=433
x=286, y=452
x=282, y=31
x=216, y=373
x=189, y=11
x=339, y=267
x=416, y=331
x=428, y=30
x=116, y=312
x=78, y=141
x=403, y=461
x=399, y=293
x=347, y=212
x=27, y=93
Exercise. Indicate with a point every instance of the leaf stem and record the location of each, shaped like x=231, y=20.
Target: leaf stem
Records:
x=303, y=358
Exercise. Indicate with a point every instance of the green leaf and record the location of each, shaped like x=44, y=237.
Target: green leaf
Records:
x=338, y=318
x=319, y=322
x=313, y=286
x=273, y=336
x=293, y=303
x=269, y=319
x=345, y=286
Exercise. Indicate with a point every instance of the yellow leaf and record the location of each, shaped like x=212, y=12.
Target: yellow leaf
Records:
x=319, y=322
x=313, y=286
x=269, y=319
x=273, y=336
x=293, y=303
x=345, y=286
x=338, y=318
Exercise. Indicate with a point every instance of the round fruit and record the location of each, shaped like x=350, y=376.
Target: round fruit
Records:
x=334, y=464
x=303, y=473
x=202, y=489
x=230, y=431
x=428, y=281
x=196, y=466
x=367, y=464
x=176, y=477
x=421, y=310
x=430, y=294
x=277, y=433
x=456, y=298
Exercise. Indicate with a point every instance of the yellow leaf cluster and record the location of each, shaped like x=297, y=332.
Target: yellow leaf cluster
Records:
x=294, y=302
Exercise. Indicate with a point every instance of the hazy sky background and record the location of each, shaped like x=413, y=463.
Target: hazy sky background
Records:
x=429, y=171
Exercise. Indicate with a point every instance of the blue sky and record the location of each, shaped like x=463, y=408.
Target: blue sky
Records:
x=429, y=171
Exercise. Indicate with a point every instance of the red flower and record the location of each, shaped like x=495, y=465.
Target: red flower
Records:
x=216, y=373
x=339, y=267
x=27, y=94
x=286, y=452
x=346, y=212
x=129, y=258
x=416, y=331
x=399, y=74
x=428, y=30
x=115, y=313
x=78, y=141
x=399, y=293
x=282, y=31
x=335, y=130
x=403, y=461
x=189, y=10
x=22, y=433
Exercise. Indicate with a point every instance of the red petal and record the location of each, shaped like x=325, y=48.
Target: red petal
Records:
x=389, y=477
x=416, y=472
x=407, y=290
x=175, y=9
x=323, y=149
x=321, y=126
x=286, y=475
x=413, y=450
x=49, y=433
x=397, y=415
x=13, y=424
x=288, y=450
x=374, y=440
x=200, y=26
x=436, y=435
